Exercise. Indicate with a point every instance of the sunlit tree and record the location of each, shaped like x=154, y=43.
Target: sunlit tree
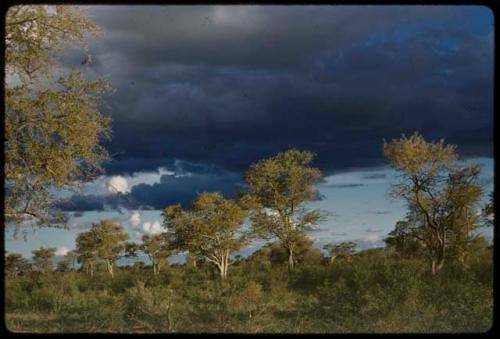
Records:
x=440, y=194
x=211, y=227
x=278, y=188
x=42, y=259
x=53, y=126
x=109, y=240
x=157, y=248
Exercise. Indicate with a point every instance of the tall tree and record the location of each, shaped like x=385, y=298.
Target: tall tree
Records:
x=344, y=250
x=441, y=195
x=211, y=227
x=157, y=248
x=42, y=259
x=278, y=187
x=53, y=127
x=109, y=240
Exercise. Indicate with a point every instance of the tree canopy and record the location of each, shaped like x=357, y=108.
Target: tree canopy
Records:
x=53, y=126
x=441, y=195
x=211, y=227
x=278, y=187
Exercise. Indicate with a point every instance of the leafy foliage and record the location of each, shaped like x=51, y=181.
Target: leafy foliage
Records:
x=211, y=228
x=277, y=189
x=441, y=196
x=53, y=128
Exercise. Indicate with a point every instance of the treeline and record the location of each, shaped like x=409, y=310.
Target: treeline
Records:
x=442, y=199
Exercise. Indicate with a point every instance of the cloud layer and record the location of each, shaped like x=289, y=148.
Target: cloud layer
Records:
x=228, y=85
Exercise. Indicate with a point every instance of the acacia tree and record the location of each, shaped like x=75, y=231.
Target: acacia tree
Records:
x=441, y=195
x=211, y=227
x=86, y=252
x=489, y=212
x=344, y=249
x=53, y=127
x=278, y=187
x=157, y=248
x=402, y=240
x=109, y=239
x=42, y=259
x=71, y=257
x=15, y=264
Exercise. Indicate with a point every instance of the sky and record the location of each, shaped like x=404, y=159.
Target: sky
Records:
x=202, y=92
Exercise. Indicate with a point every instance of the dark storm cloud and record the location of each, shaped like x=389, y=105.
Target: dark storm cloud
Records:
x=380, y=212
x=183, y=187
x=375, y=176
x=228, y=85
x=344, y=185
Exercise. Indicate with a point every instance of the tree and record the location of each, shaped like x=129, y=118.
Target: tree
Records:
x=42, y=259
x=63, y=266
x=210, y=227
x=402, y=240
x=53, y=128
x=109, y=239
x=277, y=189
x=16, y=265
x=344, y=249
x=86, y=251
x=71, y=257
x=157, y=248
x=441, y=195
x=489, y=211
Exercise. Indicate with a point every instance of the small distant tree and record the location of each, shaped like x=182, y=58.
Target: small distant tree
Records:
x=402, y=240
x=344, y=250
x=110, y=242
x=42, y=259
x=210, y=227
x=63, y=266
x=157, y=248
x=16, y=265
x=278, y=187
x=72, y=257
x=441, y=195
x=86, y=251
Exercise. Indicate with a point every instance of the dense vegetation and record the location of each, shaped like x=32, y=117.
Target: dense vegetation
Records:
x=376, y=291
x=433, y=275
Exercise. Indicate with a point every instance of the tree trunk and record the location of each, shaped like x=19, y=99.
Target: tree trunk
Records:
x=155, y=268
x=290, y=260
x=91, y=269
x=332, y=258
x=437, y=263
x=110, y=270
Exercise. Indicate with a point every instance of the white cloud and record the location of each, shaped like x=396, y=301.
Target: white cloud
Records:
x=62, y=251
x=373, y=238
x=118, y=184
x=149, y=178
x=153, y=228
x=135, y=219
